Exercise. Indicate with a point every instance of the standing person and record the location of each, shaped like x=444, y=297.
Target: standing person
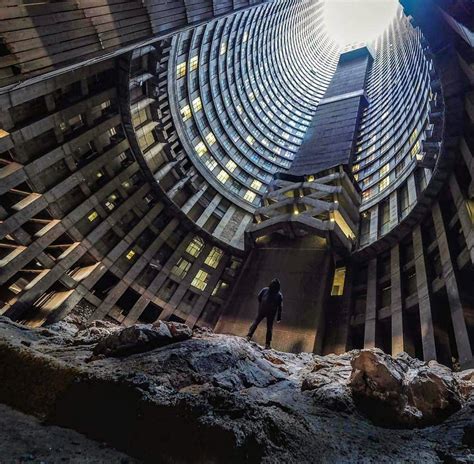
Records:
x=270, y=303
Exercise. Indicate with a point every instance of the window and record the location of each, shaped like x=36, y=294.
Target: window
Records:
x=130, y=255
x=181, y=268
x=384, y=217
x=195, y=247
x=200, y=149
x=197, y=104
x=186, y=112
x=231, y=166
x=223, y=47
x=193, y=64
x=245, y=36
x=211, y=163
x=223, y=176
x=210, y=138
x=384, y=169
x=180, y=70
x=249, y=196
x=76, y=122
x=338, y=281
x=256, y=184
x=92, y=216
x=384, y=183
x=214, y=257
x=250, y=139
x=201, y=280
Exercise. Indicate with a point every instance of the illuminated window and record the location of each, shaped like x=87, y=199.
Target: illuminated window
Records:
x=415, y=149
x=197, y=104
x=245, y=36
x=200, y=149
x=223, y=48
x=186, y=112
x=256, y=184
x=130, y=255
x=338, y=281
x=252, y=96
x=181, y=268
x=210, y=138
x=193, y=64
x=355, y=167
x=201, y=280
x=214, y=257
x=250, y=139
x=239, y=109
x=223, y=176
x=265, y=142
x=413, y=136
x=180, y=70
x=126, y=184
x=211, y=163
x=384, y=183
x=384, y=169
x=249, y=196
x=231, y=166
x=195, y=247
x=92, y=216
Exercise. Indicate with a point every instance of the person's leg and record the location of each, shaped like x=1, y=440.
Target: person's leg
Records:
x=268, y=340
x=254, y=326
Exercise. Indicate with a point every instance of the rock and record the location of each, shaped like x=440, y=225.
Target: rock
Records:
x=217, y=398
x=140, y=338
x=402, y=393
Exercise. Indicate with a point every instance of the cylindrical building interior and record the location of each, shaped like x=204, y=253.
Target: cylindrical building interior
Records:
x=165, y=163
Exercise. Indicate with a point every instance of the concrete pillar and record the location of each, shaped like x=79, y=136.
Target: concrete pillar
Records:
x=396, y=301
x=193, y=200
x=393, y=209
x=209, y=210
x=411, y=185
x=371, y=305
x=374, y=224
x=224, y=221
x=342, y=334
x=457, y=313
x=424, y=299
x=467, y=224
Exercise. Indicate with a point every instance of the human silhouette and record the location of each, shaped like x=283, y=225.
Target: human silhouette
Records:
x=270, y=304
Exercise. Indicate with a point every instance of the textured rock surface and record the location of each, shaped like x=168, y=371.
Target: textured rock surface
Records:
x=216, y=398
x=23, y=439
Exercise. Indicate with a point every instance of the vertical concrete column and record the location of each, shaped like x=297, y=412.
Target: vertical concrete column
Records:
x=224, y=221
x=393, y=209
x=186, y=208
x=374, y=224
x=411, y=186
x=371, y=305
x=209, y=210
x=457, y=313
x=238, y=238
x=467, y=224
x=424, y=300
x=396, y=301
x=342, y=334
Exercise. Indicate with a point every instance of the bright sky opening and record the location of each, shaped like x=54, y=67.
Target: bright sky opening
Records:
x=358, y=21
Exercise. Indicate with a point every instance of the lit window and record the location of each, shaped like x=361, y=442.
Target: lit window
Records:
x=105, y=105
x=180, y=70
x=413, y=136
x=415, y=149
x=214, y=257
x=211, y=163
x=210, y=138
x=245, y=36
x=186, y=112
x=250, y=139
x=223, y=176
x=197, y=104
x=256, y=184
x=92, y=216
x=252, y=96
x=130, y=255
x=231, y=166
x=201, y=280
x=355, y=167
x=338, y=281
x=223, y=48
x=193, y=64
x=200, y=149
x=126, y=184
x=384, y=169
x=181, y=268
x=385, y=183
x=239, y=109
x=195, y=247
x=249, y=196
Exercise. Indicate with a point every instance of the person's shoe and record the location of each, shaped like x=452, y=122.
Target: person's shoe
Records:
x=267, y=346
x=248, y=338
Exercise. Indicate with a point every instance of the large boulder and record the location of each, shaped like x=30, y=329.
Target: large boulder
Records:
x=402, y=392
x=141, y=337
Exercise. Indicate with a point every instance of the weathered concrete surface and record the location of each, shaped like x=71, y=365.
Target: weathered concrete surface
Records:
x=217, y=398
